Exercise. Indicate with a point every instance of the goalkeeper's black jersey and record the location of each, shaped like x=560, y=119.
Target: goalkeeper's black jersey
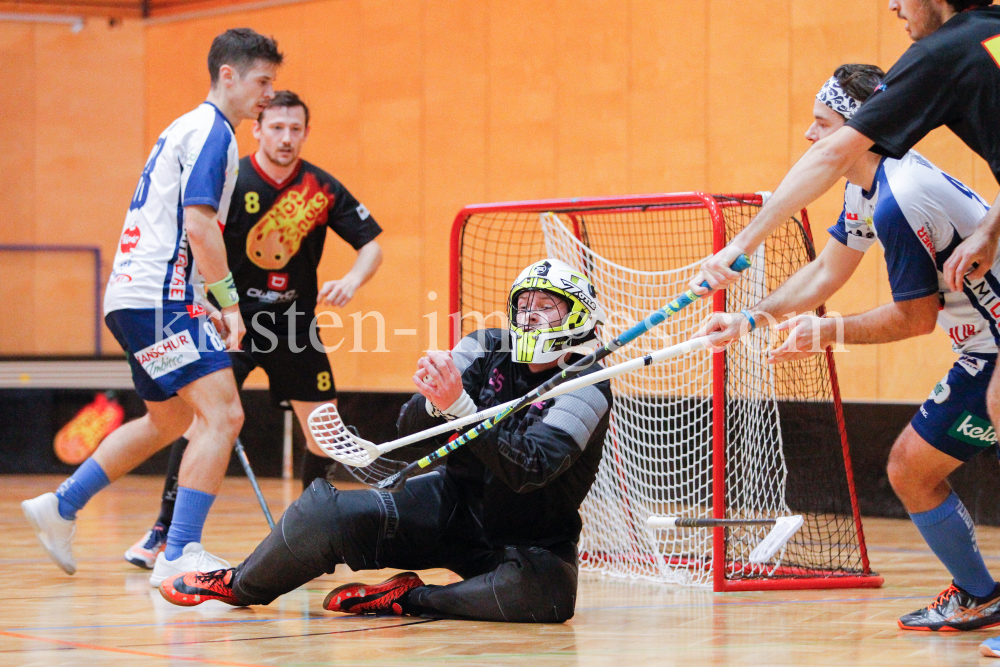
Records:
x=274, y=238
x=526, y=477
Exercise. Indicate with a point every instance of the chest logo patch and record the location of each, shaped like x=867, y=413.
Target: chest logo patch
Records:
x=278, y=235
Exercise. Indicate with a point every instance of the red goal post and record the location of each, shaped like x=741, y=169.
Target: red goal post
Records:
x=800, y=422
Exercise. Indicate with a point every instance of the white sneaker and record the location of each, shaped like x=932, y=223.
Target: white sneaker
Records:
x=194, y=559
x=54, y=532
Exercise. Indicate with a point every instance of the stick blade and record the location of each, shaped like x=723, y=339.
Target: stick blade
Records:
x=334, y=438
x=663, y=522
x=784, y=528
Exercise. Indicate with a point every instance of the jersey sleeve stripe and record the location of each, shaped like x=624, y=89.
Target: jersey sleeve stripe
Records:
x=912, y=273
x=208, y=174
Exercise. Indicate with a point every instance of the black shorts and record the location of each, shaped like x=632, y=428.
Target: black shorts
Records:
x=304, y=375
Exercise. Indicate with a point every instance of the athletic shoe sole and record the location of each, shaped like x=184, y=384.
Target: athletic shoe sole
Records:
x=946, y=628
x=170, y=593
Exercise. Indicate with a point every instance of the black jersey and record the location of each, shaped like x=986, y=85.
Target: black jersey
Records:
x=274, y=238
x=951, y=77
x=526, y=477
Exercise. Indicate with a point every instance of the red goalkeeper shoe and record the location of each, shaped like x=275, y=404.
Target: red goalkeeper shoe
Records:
x=380, y=599
x=193, y=588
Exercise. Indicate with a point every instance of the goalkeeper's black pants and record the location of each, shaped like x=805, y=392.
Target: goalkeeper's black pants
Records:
x=422, y=526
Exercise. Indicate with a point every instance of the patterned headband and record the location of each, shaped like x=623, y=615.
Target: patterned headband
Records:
x=833, y=96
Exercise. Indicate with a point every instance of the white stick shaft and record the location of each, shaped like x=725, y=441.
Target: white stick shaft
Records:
x=565, y=388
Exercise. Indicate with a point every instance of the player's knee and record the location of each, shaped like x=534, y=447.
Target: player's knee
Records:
x=546, y=588
x=230, y=419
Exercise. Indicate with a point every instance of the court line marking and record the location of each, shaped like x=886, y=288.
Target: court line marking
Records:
x=312, y=617
x=753, y=602
x=112, y=649
x=308, y=634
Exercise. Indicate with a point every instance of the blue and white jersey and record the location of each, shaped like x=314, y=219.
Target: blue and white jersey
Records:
x=194, y=162
x=920, y=214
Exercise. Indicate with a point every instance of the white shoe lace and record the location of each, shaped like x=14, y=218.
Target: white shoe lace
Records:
x=208, y=563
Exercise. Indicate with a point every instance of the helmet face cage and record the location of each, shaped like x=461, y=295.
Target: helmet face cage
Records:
x=548, y=343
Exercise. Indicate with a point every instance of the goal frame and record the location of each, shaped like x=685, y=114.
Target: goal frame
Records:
x=713, y=206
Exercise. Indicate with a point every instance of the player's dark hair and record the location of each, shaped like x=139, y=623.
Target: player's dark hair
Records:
x=962, y=5
x=241, y=48
x=286, y=99
x=859, y=81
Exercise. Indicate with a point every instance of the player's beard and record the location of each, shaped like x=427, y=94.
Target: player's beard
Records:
x=279, y=159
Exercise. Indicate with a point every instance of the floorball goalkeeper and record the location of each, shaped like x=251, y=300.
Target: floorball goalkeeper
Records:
x=502, y=512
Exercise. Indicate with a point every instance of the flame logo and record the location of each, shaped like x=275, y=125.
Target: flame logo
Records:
x=278, y=235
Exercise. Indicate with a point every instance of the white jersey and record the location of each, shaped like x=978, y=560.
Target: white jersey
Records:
x=920, y=214
x=194, y=162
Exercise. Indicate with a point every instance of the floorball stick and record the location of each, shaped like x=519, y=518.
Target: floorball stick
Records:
x=784, y=528
x=654, y=319
x=242, y=455
x=347, y=447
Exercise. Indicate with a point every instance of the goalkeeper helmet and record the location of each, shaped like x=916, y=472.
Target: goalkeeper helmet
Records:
x=539, y=343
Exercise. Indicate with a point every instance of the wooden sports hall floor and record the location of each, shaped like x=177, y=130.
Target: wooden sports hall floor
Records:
x=107, y=614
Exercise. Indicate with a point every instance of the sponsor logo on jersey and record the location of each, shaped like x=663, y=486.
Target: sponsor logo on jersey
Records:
x=278, y=235
x=196, y=310
x=178, y=281
x=272, y=296
x=859, y=227
x=277, y=281
x=973, y=430
x=992, y=46
x=121, y=278
x=971, y=364
x=941, y=392
x=962, y=333
x=129, y=239
x=168, y=355
x=986, y=297
x=925, y=238
x=363, y=212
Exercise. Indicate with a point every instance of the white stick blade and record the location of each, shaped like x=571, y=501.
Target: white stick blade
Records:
x=333, y=437
x=784, y=528
x=666, y=522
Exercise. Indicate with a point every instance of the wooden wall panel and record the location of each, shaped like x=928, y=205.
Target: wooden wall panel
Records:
x=667, y=96
x=454, y=166
x=17, y=201
x=748, y=95
x=73, y=152
x=592, y=71
x=420, y=106
x=522, y=116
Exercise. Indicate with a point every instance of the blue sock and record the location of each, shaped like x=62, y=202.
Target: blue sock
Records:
x=190, y=511
x=950, y=533
x=77, y=490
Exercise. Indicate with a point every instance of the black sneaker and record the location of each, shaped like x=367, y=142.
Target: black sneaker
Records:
x=955, y=610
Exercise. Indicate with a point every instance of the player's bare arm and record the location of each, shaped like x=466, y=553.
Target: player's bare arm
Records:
x=339, y=293
x=806, y=290
x=809, y=334
x=974, y=257
x=210, y=254
x=815, y=172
